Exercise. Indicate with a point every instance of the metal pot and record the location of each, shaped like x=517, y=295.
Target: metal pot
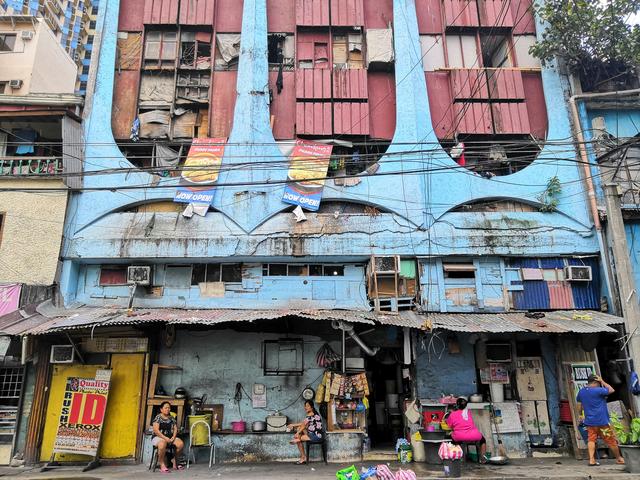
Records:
x=259, y=426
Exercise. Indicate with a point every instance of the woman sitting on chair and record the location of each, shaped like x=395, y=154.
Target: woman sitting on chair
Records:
x=463, y=430
x=165, y=435
x=310, y=430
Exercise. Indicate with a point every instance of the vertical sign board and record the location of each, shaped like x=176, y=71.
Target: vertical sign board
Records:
x=82, y=414
x=200, y=171
x=307, y=172
x=579, y=374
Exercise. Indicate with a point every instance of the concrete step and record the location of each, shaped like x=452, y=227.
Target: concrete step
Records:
x=380, y=456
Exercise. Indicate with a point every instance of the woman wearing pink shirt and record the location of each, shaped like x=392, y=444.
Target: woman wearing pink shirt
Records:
x=463, y=430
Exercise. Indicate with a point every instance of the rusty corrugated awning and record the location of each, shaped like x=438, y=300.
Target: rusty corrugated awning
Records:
x=559, y=321
x=105, y=317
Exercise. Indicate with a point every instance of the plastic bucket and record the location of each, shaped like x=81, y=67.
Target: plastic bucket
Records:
x=452, y=468
x=419, y=454
x=199, y=433
x=497, y=392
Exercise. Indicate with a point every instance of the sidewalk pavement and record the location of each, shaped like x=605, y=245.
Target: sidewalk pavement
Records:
x=520, y=469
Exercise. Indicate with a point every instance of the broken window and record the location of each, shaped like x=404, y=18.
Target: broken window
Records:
x=160, y=49
x=193, y=86
x=281, y=51
x=459, y=270
x=347, y=50
x=351, y=160
x=302, y=270
x=227, y=51
x=496, y=51
x=195, y=50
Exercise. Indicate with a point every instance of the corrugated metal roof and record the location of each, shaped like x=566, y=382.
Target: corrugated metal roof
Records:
x=568, y=321
x=406, y=318
x=19, y=321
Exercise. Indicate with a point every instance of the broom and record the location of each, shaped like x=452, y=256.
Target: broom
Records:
x=501, y=450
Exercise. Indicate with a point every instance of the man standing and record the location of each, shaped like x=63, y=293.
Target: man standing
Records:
x=592, y=404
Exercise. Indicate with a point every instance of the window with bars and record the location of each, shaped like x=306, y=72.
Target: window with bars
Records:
x=11, y=379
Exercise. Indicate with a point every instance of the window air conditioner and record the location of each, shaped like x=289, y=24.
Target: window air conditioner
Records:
x=578, y=273
x=140, y=275
x=26, y=35
x=61, y=354
x=15, y=83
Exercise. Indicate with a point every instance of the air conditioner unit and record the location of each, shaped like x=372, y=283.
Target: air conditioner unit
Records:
x=62, y=354
x=577, y=273
x=26, y=35
x=139, y=275
x=15, y=84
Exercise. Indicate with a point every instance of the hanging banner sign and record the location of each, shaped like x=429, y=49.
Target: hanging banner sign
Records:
x=307, y=171
x=82, y=414
x=9, y=298
x=200, y=171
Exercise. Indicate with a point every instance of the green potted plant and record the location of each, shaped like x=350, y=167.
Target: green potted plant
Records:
x=629, y=441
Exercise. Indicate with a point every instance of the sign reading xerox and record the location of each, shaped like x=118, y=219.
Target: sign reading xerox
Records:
x=200, y=171
x=307, y=172
x=82, y=414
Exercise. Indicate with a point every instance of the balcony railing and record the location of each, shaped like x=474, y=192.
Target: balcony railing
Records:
x=22, y=166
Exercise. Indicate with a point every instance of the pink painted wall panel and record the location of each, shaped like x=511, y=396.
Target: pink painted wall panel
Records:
x=472, y=118
x=378, y=13
x=505, y=84
x=350, y=83
x=536, y=107
x=312, y=13
x=313, y=118
x=429, y=14
x=306, y=42
x=131, y=15
x=160, y=12
x=523, y=21
x=313, y=83
x=197, y=12
x=125, y=102
x=347, y=13
x=469, y=83
x=229, y=16
x=281, y=16
x=223, y=96
x=510, y=117
x=560, y=295
x=382, y=105
x=495, y=13
x=440, y=103
x=460, y=13
x=283, y=106
x=351, y=118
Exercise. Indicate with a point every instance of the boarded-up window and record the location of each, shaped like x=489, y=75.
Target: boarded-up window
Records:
x=129, y=51
x=432, y=52
x=195, y=50
x=113, y=276
x=156, y=90
x=347, y=51
x=160, y=49
x=462, y=51
x=227, y=51
x=193, y=86
x=521, y=45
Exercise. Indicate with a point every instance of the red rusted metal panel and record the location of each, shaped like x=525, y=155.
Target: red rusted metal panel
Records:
x=312, y=13
x=429, y=14
x=131, y=15
x=313, y=118
x=351, y=118
x=223, y=101
x=197, y=12
x=347, y=13
x=161, y=12
x=311, y=46
x=523, y=21
x=510, y=118
x=560, y=295
x=378, y=13
x=469, y=83
x=382, y=105
x=229, y=16
x=281, y=16
x=350, y=83
x=313, y=83
x=536, y=107
x=440, y=103
x=505, y=84
x=125, y=102
x=460, y=13
x=472, y=118
x=495, y=13
x=283, y=105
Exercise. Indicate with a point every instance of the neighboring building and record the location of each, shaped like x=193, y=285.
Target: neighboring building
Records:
x=481, y=273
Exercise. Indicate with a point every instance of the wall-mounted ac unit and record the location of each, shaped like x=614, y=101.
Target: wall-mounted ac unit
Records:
x=139, y=275
x=578, y=273
x=15, y=84
x=26, y=35
x=62, y=354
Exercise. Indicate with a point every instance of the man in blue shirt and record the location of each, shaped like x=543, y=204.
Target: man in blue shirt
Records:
x=592, y=403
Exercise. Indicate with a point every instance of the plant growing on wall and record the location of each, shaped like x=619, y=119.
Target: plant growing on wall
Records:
x=595, y=39
x=549, y=198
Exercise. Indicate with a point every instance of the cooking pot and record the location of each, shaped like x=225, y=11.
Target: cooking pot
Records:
x=475, y=398
x=239, y=426
x=259, y=426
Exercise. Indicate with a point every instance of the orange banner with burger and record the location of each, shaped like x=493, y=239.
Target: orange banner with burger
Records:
x=200, y=171
x=307, y=172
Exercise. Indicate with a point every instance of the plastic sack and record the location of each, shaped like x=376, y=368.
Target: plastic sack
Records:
x=349, y=473
x=405, y=475
x=400, y=442
x=383, y=473
x=369, y=474
x=449, y=451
